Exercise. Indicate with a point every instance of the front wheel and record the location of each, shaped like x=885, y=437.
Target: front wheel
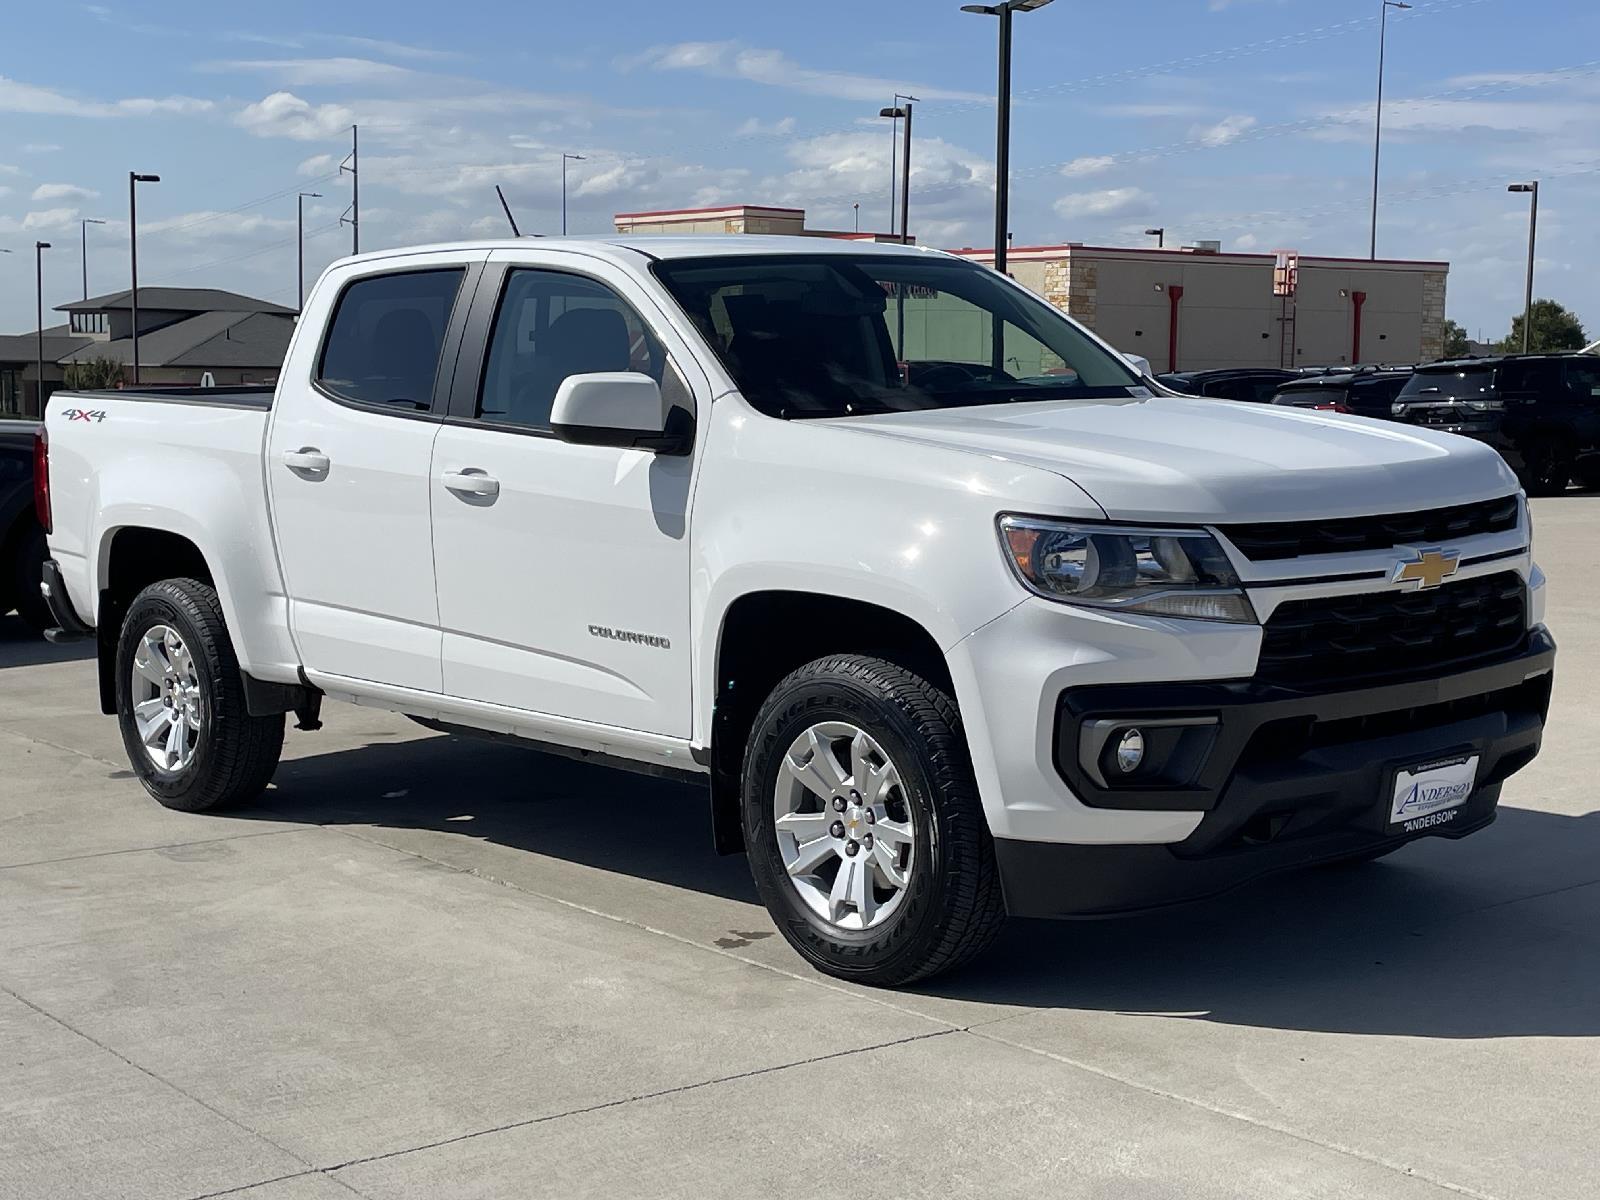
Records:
x=1545, y=470
x=866, y=838
x=180, y=703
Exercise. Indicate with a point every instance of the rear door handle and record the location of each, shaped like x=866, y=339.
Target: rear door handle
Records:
x=308, y=459
x=471, y=482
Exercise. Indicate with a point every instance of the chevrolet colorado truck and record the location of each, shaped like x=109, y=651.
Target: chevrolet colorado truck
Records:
x=949, y=611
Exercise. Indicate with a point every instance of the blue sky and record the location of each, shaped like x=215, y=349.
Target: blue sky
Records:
x=1243, y=120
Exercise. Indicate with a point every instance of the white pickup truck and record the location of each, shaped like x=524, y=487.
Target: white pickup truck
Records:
x=952, y=612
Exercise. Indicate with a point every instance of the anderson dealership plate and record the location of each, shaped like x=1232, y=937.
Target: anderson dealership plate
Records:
x=1424, y=795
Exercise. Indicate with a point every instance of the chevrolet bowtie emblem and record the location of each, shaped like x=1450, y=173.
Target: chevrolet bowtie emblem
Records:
x=1426, y=568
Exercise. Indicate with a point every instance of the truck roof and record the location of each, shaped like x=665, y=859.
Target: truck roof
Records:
x=666, y=246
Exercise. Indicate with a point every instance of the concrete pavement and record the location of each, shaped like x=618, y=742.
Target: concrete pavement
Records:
x=431, y=967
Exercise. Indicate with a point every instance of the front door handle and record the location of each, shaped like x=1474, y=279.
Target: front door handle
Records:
x=472, y=482
x=307, y=459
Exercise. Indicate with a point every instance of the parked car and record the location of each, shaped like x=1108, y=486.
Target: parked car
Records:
x=941, y=641
x=1252, y=384
x=1541, y=412
x=1369, y=393
x=22, y=541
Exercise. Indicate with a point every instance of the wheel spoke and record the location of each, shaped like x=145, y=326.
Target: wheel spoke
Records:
x=144, y=662
x=861, y=767
x=817, y=772
x=852, y=891
x=151, y=718
x=174, y=746
x=813, y=843
x=887, y=859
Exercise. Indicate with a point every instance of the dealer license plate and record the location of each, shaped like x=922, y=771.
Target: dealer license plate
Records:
x=1425, y=795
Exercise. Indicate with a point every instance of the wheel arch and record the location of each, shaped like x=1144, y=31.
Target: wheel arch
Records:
x=763, y=636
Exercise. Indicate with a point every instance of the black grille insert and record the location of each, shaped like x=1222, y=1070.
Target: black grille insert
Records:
x=1393, y=633
x=1292, y=539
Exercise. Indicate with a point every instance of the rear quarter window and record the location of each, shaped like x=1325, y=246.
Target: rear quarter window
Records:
x=384, y=342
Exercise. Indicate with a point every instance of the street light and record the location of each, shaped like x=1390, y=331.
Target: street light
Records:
x=83, y=239
x=134, y=179
x=1002, y=156
x=895, y=113
x=1160, y=236
x=1532, y=191
x=38, y=275
x=300, y=242
x=1377, y=127
x=564, y=159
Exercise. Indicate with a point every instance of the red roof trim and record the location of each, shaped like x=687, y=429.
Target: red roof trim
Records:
x=689, y=212
x=1152, y=252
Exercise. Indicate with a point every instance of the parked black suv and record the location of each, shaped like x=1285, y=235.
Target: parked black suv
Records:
x=1255, y=384
x=1367, y=393
x=22, y=548
x=1541, y=411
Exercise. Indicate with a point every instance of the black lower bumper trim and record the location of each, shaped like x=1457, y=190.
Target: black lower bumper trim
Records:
x=69, y=627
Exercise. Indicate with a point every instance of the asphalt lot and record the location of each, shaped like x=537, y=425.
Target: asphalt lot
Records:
x=428, y=967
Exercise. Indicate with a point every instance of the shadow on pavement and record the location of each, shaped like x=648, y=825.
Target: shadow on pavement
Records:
x=21, y=647
x=1497, y=935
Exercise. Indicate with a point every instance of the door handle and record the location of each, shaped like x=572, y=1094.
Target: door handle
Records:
x=471, y=482
x=308, y=459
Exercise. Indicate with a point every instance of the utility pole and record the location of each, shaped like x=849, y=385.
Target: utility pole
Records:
x=896, y=113
x=83, y=237
x=38, y=277
x=1377, y=129
x=1531, y=190
x=565, y=158
x=134, y=179
x=352, y=166
x=1160, y=236
x=300, y=242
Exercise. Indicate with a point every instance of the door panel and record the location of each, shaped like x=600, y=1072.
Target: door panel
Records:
x=563, y=578
x=347, y=468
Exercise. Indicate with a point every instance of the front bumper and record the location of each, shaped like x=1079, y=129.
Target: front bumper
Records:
x=1291, y=778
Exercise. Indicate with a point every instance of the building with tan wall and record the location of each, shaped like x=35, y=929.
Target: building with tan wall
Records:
x=1190, y=310
x=736, y=218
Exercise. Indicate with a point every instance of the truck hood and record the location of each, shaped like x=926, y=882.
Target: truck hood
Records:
x=1189, y=459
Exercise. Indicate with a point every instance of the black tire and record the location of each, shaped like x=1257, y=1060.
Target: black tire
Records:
x=1588, y=472
x=1545, y=470
x=952, y=906
x=235, y=753
x=28, y=554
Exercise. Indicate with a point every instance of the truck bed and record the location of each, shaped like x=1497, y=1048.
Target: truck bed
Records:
x=257, y=397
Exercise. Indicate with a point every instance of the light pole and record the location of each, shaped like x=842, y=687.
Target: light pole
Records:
x=38, y=279
x=134, y=179
x=564, y=160
x=1532, y=190
x=1377, y=125
x=1160, y=236
x=857, y=207
x=1002, y=154
x=300, y=242
x=903, y=110
x=83, y=240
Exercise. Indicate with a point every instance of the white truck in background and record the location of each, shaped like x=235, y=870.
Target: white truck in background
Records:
x=950, y=612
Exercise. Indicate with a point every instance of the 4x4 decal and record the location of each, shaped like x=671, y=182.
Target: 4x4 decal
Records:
x=80, y=414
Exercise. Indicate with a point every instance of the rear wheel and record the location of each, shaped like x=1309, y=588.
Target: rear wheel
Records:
x=861, y=816
x=180, y=703
x=1546, y=471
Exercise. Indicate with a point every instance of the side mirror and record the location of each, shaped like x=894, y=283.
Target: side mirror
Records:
x=620, y=408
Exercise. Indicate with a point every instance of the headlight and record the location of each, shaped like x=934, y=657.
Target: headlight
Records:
x=1159, y=572
x=1484, y=405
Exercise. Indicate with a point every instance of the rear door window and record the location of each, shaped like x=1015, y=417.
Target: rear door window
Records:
x=384, y=342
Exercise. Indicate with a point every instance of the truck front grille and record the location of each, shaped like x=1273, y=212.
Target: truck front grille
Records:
x=1394, y=633
x=1293, y=539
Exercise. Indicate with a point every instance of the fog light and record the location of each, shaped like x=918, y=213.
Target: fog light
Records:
x=1130, y=751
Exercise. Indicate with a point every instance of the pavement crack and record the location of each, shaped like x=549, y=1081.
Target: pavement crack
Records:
x=146, y=1071
x=232, y=837
x=620, y=1102
x=1376, y=1160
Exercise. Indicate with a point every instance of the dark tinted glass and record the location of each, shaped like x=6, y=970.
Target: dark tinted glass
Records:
x=835, y=335
x=1312, y=397
x=1583, y=381
x=1466, y=383
x=552, y=325
x=383, y=346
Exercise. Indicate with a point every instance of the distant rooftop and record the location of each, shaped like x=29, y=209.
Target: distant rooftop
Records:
x=173, y=299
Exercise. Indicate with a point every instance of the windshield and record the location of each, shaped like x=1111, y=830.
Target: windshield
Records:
x=830, y=335
x=1311, y=397
x=1470, y=383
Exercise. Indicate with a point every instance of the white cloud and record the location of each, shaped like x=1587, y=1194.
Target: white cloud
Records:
x=1154, y=110
x=283, y=114
x=394, y=49
x=755, y=127
x=1091, y=164
x=63, y=191
x=46, y=220
x=39, y=147
x=1229, y=129
x=317, y=72
x=317, y=164
x=1111, y=202
x=735, y=60
x=27, y=98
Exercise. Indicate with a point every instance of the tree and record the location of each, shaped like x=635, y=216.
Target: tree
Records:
x=91, y=374
x=1455, y=340
x=1554, y=328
